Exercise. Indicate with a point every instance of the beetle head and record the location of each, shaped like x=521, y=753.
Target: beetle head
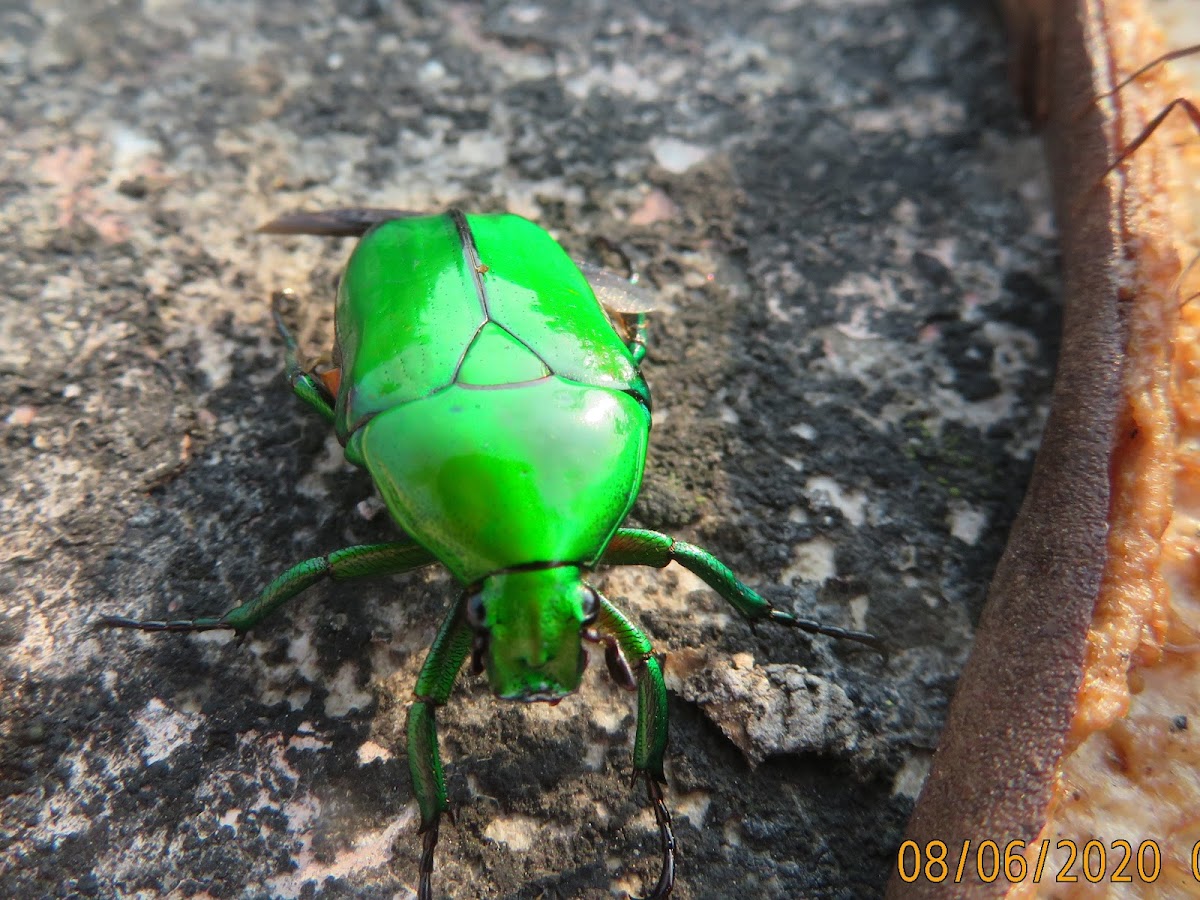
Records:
x=528, y=626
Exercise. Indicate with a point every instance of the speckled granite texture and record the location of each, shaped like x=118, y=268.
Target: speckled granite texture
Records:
x=847, y=224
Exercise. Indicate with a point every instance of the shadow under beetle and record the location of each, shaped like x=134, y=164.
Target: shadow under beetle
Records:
x=504, y=422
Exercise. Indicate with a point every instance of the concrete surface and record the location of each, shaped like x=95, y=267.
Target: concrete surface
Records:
x=847, y=225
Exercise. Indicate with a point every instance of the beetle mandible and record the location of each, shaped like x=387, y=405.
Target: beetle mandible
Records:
x=504, y=422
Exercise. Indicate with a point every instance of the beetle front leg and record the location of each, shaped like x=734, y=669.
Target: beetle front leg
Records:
x=304, y=384
x=638, y=547
x=434, y=683
x=362, y=561
x=636, y=329
x=636, y=655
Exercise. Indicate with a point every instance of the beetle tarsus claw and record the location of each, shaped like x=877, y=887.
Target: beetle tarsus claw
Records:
x=428, y=845
x=846, y=634
x=155, y=625
x=662, y=815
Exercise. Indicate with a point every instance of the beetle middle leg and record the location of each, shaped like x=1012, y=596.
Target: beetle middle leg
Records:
x=364, y=560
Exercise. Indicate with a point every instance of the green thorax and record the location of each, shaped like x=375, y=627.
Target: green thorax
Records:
x=500, y=414
x=429, y=301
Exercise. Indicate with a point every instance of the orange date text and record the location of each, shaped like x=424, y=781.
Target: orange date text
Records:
x=1060, y=862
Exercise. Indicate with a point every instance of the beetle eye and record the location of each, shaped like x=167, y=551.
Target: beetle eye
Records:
x=591, y=605
x=475, y=611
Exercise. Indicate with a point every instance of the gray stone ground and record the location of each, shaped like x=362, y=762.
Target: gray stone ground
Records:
x=847, y=225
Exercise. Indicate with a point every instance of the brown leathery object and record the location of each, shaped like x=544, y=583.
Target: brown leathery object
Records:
x=1060, y=731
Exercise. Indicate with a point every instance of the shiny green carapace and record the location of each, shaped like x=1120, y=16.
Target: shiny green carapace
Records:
x=499, y=409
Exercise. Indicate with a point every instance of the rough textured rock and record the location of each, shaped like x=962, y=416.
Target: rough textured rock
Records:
x=849, y=231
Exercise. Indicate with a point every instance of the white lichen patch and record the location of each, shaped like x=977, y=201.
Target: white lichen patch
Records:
x=631, y=587
x=370, y=850
x=304, y=655
x=859, y=607
x=595, y=756
x=855, y=349
x=253, y=741
x=626, y=885
x=911, y=777
x=879, y=292
x=813, y=561
x=609, y=718
x=804, y=430
x=920, y=116
x=192, y=327
x=677, y=156
x=369, y=752
x=344, y=694
x=692, y=806
x=965, y=522
x=520, y=833
x=229, y=819
x=165, y=730
x=130, y=149
x=63, y=815
x=479, y=150
x=307, y=742
x=621, y=78
x=525, y=197
x=823, y=490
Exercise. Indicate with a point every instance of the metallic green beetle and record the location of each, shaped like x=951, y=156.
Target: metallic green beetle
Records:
x=504, y=422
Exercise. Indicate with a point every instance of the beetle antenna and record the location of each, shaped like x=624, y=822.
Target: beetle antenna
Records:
x=350, y=221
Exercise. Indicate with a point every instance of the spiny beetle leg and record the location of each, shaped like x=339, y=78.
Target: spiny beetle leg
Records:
x=304, y=384
x=351, y=221
x=1153, y=64
x=639, y=547
x=650, y=740
x=362, y=561
x=434, y=683
x=1144, y=135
